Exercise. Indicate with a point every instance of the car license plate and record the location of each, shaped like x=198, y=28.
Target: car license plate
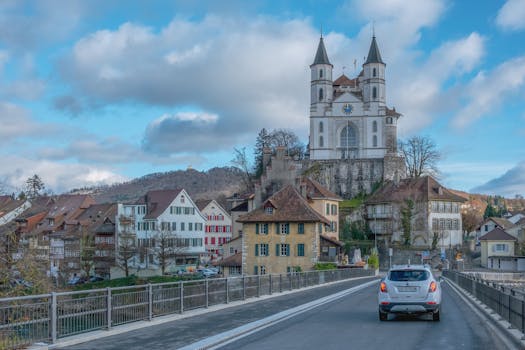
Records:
x=407, y=289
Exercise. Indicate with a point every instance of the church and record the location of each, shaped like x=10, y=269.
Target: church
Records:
x=349, y=118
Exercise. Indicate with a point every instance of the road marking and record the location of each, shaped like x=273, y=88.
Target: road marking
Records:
x=225, y=338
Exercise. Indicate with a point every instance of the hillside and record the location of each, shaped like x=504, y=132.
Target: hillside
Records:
x=216, y=183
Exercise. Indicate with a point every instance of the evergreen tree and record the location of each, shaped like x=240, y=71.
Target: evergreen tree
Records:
x=263, y=141
x=34, y=187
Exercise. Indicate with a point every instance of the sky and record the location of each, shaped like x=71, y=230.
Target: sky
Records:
x=97, y=92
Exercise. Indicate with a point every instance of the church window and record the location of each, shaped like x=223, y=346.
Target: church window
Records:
x=321, y=74
x=374, y=126
x=374, y=92
x=321, y=141
x=320, y=126
x=374, y=140
x=348, y=137
x=374, y=72
x=389, y=120
x=320, y=94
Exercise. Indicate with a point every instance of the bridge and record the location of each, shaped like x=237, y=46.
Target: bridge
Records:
x=335, y=315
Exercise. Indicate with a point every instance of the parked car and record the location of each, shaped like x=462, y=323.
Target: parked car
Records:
x=207, y=272
x=75, y=280
x=409, y=289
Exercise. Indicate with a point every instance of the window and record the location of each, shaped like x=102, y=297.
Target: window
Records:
x=374, y=72
x=389, y=120
x=320, y=126
x=263, y=249
x=182, y=199
x=284, y=228
x=320, y=94
x=182, y=228
x=300, y=249
x=300, y=228
x=269, y=210
x=320, y=228
x=255, y=270
x=174, y=226
x=263, y=270
x=190, y=226
x=435, y=224
x=321, y=141
x=348, y=137
x=282, y=249
x=374, y=93
x=455, y=224
x=334, y=209
x=374, y=126
x=374, y=141
x=264, y=229
x=320, y=74
x=500, y=247
x=327, y=209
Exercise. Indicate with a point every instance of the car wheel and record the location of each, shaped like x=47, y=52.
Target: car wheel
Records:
x=383, y=316
x=435, y=316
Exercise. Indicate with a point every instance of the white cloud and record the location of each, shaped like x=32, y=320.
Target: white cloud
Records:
x=16, y=122
x=509, y=184
x=512, y=15
x=486, y=92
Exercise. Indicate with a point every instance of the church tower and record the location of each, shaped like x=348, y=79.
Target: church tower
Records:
x=374, y=77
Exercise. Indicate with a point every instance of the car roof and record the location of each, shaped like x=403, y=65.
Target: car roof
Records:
x=410, y=267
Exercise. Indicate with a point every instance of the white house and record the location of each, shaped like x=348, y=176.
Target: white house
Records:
x=160, y=219
x=218, y=228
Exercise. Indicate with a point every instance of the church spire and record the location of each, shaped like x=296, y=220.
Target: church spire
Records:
x=321, y=57
x=373, y=54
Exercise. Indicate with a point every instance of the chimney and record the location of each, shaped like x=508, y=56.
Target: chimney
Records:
x=267, y=154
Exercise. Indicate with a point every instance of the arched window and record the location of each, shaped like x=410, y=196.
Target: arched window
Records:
x=374, y=141
x=320, y=126
x=389, y=120
x=321, y=74
x=374, y=126
x=374, y=92
x=320, y=94
x=374, y=72
x=321, y=141
x=348, y=137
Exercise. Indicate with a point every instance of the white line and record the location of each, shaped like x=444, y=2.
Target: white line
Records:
x=224, y=338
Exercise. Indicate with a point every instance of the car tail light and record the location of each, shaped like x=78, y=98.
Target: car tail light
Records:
x=382, y=287
x=433, y=287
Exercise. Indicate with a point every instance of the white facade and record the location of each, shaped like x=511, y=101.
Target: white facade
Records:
x=445, y=219
x=348, y=117
x=218, y=229
x=180, y=220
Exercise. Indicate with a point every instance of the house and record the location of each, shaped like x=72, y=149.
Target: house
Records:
x=496, y=243
x=11, y=208
x=218, y=228
x=432, y=210
x=282, y=235
x=493, y=222
x=167, y=228
x=241, y=204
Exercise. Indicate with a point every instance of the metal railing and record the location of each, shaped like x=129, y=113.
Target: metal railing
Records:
x=506, y=302
x=48, y=317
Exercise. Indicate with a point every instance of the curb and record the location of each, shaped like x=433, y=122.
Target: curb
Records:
x=502, y=328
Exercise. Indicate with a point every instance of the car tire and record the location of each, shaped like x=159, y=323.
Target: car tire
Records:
x=383, y=316
x=435, y=316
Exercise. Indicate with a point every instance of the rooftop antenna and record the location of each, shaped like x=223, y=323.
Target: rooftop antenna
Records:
x=321, y=30
x=374, y=28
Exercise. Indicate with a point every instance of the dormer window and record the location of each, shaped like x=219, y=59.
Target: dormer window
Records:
x=268, y=210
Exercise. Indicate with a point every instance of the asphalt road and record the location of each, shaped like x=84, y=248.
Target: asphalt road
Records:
x=348, y=323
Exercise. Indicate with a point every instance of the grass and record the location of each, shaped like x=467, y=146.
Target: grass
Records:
x=351, y=203
x=133, y=281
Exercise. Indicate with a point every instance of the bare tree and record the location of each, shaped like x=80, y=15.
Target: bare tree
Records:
x=126, y=251
x=421, y=156
x=241, y=162
x=87, y=251
x=167, y=247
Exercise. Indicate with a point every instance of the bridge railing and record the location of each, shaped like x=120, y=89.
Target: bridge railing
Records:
x=47, y=317
x=509, y=303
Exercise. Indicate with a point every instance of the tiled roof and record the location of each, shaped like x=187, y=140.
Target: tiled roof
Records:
x=202, y=203
x=520, y=222
x=158, y=201
x=99, y=217
x=345, y=81
x=502, y=222
x=333, y=241
x=289, y=206
x=424, y=188
x=392, y=112
x=241, y=207
x=315, y=190
x=497, y=234
x=233, y=260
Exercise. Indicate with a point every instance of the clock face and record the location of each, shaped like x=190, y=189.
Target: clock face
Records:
x=347, y=108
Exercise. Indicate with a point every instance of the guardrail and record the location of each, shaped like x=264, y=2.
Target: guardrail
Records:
x=47, y=317
x=506, y=302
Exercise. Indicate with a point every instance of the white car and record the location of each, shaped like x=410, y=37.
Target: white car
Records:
x=409, y=289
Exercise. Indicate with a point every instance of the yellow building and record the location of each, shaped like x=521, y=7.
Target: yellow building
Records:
x=496, y=243
x=284, y=234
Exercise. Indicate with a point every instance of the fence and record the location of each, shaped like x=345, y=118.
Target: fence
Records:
x=47, y=317
x=507, y=302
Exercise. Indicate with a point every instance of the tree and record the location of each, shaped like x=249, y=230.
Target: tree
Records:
x=470, y=220
x=166, y=248
x=421, y=156
x=126, y=251
x=240, y=161
x=34, y=187
x=87, y=252
x=406, y=221
x=263, y=141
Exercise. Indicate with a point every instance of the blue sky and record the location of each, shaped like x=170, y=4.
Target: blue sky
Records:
x=94, y=92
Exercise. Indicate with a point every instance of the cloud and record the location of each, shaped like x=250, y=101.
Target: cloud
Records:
x=58, y=177
x=68, y=104
x=16, y=123
x=509, y=184
x=505, y=80
x=512, y=15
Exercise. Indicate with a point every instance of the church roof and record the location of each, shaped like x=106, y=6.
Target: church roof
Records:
x=321, y=57
x=344, y=81
x=373, y=54
x=392, y=112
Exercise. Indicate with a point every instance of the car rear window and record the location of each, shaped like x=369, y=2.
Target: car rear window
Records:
x=409, y=275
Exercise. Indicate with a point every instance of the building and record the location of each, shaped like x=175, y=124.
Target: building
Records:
x=432, y=211
x=218, y=228
x=167, y=229
x=497, y=244
x=282, y=235
x=491, y=223
x=231, y=263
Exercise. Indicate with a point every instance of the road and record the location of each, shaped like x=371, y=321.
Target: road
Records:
x=347, y=323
